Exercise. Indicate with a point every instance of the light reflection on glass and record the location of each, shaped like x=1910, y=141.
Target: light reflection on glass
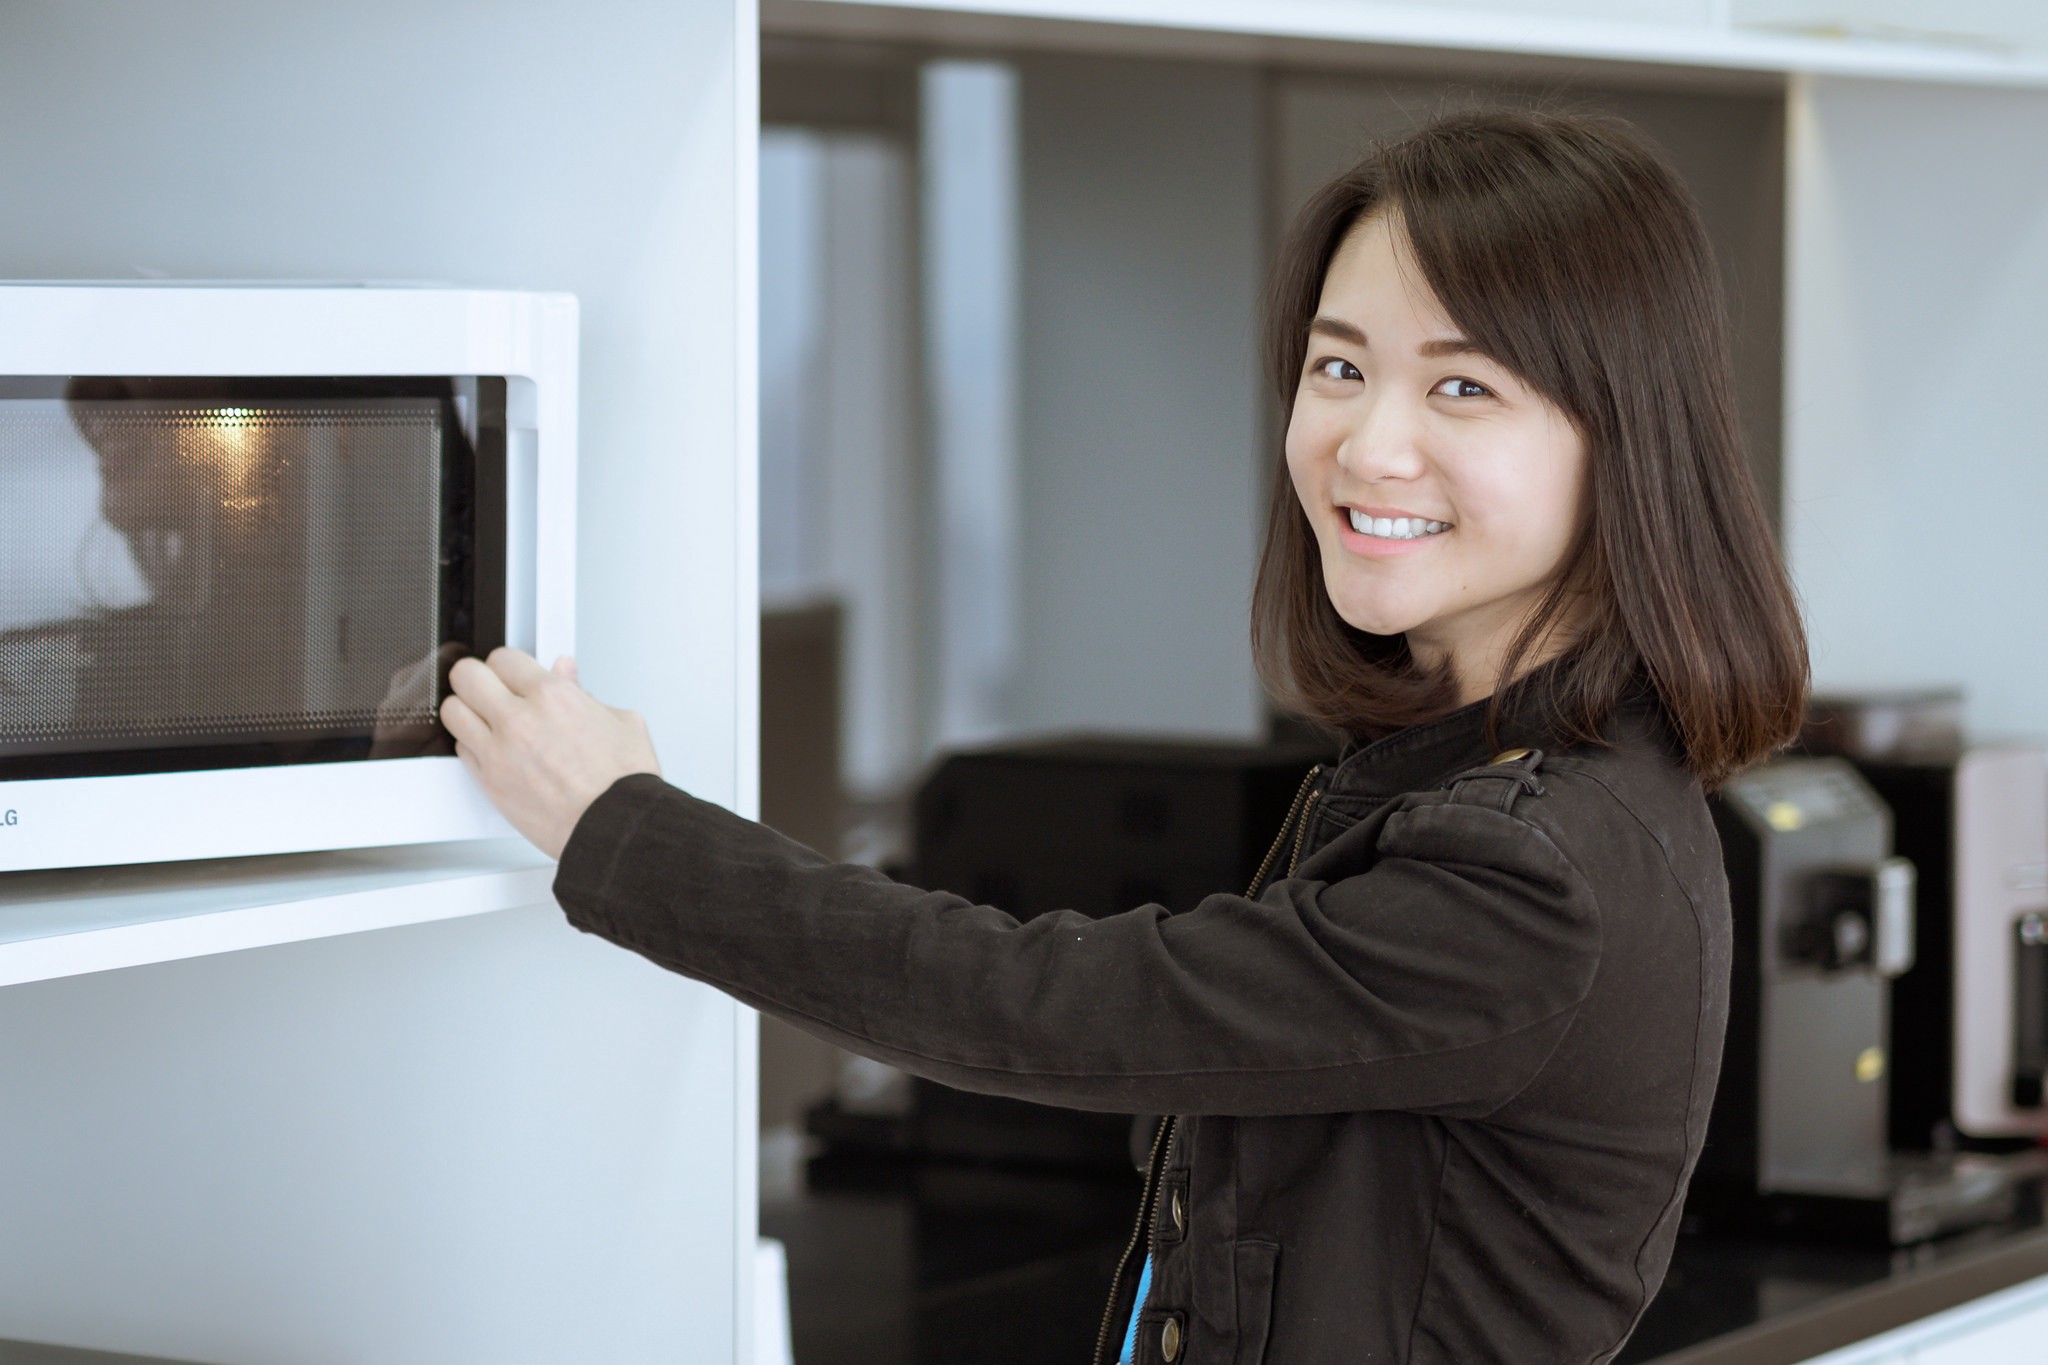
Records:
x=236, y=449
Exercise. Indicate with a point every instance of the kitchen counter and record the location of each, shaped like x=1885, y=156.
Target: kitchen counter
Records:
x=921, y=1263
x=1756, y=1302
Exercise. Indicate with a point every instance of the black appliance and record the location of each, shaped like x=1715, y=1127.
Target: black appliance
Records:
x=1969, y=1033
x=1098, y=825
x=1823, y=923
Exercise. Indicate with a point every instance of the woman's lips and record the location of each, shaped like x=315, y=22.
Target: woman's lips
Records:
x=1385, y=546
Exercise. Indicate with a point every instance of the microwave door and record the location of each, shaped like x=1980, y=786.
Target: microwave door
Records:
x=222, y=583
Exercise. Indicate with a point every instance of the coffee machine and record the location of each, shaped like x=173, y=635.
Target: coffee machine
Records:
x=1823, y=912
x=1969, y=1032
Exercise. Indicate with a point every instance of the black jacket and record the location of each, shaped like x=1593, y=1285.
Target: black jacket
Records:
x=1439, y=1087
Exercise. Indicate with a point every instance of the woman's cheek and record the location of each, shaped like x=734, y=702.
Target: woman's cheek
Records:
x=1297, y=449
x=1317, y=423
x=1310, y=489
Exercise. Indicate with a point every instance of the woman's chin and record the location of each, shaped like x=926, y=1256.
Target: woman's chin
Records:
x=1375, y=620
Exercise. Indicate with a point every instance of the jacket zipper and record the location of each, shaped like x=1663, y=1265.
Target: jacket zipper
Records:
x=1301, y=832
x=1162, y=1141
x=1280, y=840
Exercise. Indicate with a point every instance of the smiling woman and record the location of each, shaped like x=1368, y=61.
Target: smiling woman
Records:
x=1439, y=1083
x=1509, y=323
x=1396, y=407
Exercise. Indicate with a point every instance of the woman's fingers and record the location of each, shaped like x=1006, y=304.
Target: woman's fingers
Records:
x=518, y=670
x=541, y=747
x=480, y=687
x=464, y=724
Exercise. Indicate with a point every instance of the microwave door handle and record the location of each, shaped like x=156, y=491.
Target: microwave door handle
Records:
x=522, y=537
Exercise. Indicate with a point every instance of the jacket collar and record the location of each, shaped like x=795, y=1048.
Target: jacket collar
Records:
x=1422, y=756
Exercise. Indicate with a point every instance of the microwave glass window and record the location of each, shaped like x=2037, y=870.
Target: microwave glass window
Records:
x=216, y=573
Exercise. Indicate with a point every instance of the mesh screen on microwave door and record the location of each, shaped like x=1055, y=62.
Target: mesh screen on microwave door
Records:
x=181, y=574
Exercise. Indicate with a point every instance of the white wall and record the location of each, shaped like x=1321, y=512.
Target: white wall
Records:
x=842, y=443
x=1916, y=453
x=968, y=154
x=1141, y=463
x=794, y=565
x=604, y=149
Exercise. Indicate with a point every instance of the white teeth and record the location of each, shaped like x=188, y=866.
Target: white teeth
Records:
x=1394, y=528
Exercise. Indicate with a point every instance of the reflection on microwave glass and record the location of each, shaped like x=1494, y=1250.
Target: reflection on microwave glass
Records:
x=175, y=573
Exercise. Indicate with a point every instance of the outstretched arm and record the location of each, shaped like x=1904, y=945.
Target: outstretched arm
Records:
x=1439, y=978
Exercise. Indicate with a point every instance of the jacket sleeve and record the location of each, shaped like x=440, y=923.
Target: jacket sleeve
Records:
x=1439, y=980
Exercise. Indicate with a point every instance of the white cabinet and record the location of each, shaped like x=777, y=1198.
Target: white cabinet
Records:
x=398, y=1112
x=1669, y=39
x=485, y=1139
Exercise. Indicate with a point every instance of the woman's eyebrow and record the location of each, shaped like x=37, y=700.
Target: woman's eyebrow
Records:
x=1436, y=348
x=1337, y=328
x=1439, y=347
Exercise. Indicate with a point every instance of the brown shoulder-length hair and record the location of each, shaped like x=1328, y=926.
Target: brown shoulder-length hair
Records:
x=1564, y=248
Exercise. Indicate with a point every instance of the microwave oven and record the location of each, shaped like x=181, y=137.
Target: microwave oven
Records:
x=244, y=532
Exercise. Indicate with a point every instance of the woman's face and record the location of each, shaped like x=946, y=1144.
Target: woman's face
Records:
x=1443, y=490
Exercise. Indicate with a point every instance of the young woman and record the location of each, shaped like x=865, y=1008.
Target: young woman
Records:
x=1440, y=1080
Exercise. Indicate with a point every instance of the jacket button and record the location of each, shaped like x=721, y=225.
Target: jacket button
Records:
x=1180, y=1218
x=1169, y=1340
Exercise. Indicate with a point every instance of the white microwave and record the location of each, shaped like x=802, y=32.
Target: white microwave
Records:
x=244, y=531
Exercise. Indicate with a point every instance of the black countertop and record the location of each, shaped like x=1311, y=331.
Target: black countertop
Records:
x=922, y=1263
x=1754, y=1302
x=937, y=1264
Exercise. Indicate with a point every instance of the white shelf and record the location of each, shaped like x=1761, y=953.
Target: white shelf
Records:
x=1340, y=31
x=79, y=921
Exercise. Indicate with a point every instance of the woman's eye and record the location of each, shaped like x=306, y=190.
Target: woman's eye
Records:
x=1335, y=368
x=1462, y=388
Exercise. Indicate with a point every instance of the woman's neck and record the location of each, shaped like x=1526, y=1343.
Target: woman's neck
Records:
x=1476, y=666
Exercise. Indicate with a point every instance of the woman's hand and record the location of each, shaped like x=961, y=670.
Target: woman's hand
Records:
x=543, y=748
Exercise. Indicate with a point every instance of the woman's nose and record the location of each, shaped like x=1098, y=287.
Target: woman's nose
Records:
x=1386, y=443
